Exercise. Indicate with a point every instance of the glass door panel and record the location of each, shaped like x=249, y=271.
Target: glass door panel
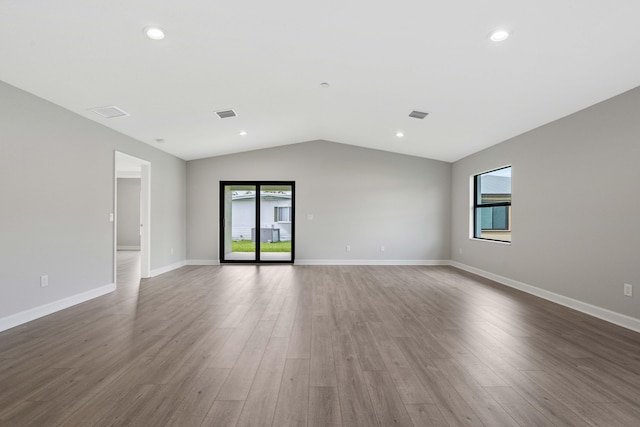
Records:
x=276, y=222
x=238, y=223
x=254, y=232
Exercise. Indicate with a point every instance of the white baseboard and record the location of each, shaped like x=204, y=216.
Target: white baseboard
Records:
x=17, y=319
x=203, y=262
x=370, y=262
x=167, y=268
x=339, y=262
x=592, y=310
x=128, y=248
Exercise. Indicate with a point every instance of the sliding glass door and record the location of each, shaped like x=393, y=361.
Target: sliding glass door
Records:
x=257, y=221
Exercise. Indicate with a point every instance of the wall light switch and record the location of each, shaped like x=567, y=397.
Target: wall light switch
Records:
x=111, y=217
x=44, y=281
x=310, y=217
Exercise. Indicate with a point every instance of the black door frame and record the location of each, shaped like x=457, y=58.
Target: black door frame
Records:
x=258, y=185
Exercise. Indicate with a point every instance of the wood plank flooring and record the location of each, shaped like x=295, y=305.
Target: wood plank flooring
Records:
x=318, y=346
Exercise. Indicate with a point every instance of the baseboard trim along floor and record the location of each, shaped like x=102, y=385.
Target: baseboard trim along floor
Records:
x=17, y=319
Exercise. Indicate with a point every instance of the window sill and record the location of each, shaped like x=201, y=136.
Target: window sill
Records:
x=490, y=241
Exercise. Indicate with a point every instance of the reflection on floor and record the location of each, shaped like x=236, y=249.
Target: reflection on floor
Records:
x=128, y=269
x=264, y=256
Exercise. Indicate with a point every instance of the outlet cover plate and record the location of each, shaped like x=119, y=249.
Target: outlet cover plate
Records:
x=628, y=290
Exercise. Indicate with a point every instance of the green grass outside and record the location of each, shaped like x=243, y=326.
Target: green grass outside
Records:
x=249, y=246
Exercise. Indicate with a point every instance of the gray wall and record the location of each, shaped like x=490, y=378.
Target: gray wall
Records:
x=57, y=190
x=360, y=197
x=576, y=206
x=128, y=213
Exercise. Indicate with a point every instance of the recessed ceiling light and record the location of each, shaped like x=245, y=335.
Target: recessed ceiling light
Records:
x=243, y=133
x=499, y=35
x=399, y=134
x=154, y=33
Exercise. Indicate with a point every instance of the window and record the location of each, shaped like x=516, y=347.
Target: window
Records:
x=282, y=214
x=492, y=205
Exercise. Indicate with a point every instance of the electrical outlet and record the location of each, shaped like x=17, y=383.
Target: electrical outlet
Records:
x=381, y=248
x=171, y=251
x=347, y=248
x=460, y=250
x=628, y=290
x=44, y=281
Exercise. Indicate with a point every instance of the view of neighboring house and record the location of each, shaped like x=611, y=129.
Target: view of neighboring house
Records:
x=275, y=214
x=495, y=221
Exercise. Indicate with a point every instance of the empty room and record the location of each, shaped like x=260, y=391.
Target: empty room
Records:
x=332, y=214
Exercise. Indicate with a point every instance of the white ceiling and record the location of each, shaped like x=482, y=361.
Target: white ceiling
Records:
x=266, y=60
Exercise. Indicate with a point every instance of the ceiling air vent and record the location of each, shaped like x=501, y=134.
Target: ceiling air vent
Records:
x=225, y=114
x=418, y=114
x=110, y=112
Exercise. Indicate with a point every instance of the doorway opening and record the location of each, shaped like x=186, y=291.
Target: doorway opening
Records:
x=132, y=178
x=257, y=221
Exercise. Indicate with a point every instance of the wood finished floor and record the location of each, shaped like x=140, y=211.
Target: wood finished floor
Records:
x=317, y=346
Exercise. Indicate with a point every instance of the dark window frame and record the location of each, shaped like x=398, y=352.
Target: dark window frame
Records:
x=258, y=187
x=478, y=204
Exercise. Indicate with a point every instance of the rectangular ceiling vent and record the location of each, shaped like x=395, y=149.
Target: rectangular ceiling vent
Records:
x=109, y=112
x=225, y=114
x=418, y=114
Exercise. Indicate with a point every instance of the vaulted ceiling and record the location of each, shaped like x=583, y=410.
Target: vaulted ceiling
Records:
x=266, y=60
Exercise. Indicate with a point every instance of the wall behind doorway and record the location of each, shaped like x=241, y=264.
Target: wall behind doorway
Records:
x=128, y=214
x=345, y=196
